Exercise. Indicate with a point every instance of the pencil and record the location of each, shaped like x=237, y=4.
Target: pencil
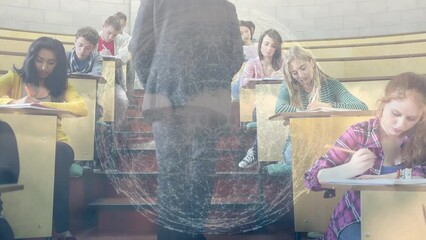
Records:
x=329, y=146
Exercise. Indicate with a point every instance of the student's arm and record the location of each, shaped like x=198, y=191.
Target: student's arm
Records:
x=142, y=44
x=73, y=103
x=283, y=101
x=248, y=72
x=338, y=164
x=343, y=98
x=122, y=46
x=97, y=64
x=9, y=87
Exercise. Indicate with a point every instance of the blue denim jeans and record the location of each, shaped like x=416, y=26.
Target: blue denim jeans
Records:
x=287, y=152
x=351, y=232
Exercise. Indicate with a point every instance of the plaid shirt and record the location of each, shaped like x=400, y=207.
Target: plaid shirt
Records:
x=361, y=135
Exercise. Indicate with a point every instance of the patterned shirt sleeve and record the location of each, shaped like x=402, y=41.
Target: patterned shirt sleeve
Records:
x=351, y=139
x=283, y=101
x=342, y=98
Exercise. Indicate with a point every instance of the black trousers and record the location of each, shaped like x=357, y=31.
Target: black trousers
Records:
x=63, y=159
x=9, y=156
x=186, y=153
x=9, y=171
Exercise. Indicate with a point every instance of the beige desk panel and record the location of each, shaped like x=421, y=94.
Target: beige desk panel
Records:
x=371, y=68
x=247, y=104
x=393, y=215
x=7, y=61
x=369, y=91
x=35, y=35
x=378, y=39
x=106, y=91
x=366, y=51
x=30, y=211
x=81, y=131
x=312, y=212
x=271, y=135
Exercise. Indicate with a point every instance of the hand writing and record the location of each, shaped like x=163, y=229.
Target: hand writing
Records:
x=361, y=161
x=318, y=104
x=105, y=52
x=26, y=99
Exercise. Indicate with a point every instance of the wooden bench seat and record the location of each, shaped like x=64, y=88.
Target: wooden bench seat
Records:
x=358, y=40
x=24, y=34
x=382, y=49
x=373, y=66
x=22, y=45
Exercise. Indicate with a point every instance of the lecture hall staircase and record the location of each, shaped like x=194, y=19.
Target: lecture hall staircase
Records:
x=101, y=207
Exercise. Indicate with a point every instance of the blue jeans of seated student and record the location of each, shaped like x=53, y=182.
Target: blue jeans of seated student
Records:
x=287, y=152
x=235, y=90
x=351, y=232
x=186, y=156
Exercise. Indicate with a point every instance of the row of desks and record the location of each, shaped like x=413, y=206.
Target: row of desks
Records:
x=30, y=210
x=387, y=211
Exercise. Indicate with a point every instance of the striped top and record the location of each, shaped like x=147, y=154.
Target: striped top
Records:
x=332, y=91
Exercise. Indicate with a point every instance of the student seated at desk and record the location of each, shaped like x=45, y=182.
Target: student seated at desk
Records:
x=123, y=21
x=383, y=146
x=307, y=87
x=266, y=65
x=112, y=43
x=83, y=58
x=250, y=48
x=9, y=171
x=43, y=79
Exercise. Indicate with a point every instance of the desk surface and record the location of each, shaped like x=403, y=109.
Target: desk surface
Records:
x=252, y=82
x=34, y=109
x=10, y=187
x=379, y=185
x=287, y=115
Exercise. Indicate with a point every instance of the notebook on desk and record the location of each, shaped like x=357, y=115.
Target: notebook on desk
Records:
x=379, y=182
x=34, y=108
x=330, y=109
x=251, y=82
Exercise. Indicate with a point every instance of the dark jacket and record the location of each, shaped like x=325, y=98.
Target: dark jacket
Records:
x=185, y=53
x=9, y=156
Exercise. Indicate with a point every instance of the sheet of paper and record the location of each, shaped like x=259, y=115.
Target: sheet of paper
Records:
x=413, y=181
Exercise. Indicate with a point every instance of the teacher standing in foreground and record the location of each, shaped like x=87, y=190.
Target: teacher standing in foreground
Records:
x=185, y=53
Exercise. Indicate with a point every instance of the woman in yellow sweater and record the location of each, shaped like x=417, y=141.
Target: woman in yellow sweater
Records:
x=43, y=79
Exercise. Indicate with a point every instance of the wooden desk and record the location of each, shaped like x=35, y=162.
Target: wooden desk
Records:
x=81, y=131
x=30, y=211
x=310, y=132
x=271, y=135
x=391, y=212
x=248, y=97
x=106, y=92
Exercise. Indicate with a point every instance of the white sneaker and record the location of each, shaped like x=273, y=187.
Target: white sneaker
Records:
x=249, y=160
x=314, y=235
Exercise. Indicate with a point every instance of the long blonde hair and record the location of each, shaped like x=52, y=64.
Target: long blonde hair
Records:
x=400, y=87
x=294, y=87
